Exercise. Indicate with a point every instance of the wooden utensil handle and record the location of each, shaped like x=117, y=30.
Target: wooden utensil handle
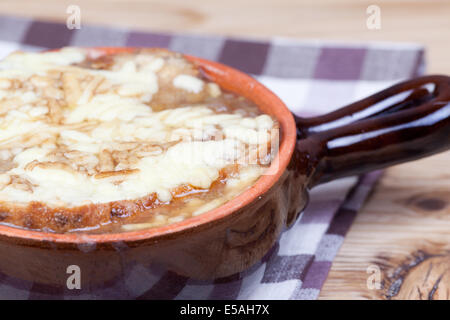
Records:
x=405, y=122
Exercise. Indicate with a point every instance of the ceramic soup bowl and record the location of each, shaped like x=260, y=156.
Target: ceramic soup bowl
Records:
x=405, y=122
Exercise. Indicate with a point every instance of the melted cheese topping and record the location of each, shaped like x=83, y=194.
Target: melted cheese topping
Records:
x=71, y=135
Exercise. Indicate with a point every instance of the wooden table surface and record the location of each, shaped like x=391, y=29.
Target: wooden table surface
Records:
x=403, y=232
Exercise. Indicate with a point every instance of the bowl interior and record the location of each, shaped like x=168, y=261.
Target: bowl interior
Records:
x=232, y=80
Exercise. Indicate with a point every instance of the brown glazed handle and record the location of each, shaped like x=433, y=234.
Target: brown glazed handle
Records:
x=407, y=121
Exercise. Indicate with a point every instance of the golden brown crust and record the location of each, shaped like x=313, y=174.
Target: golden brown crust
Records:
x=39, y=216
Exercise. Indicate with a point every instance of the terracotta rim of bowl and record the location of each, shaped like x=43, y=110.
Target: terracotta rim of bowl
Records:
x=223, y=75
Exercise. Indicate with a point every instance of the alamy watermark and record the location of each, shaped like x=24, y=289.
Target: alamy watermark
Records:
x=74, y=280
x=373, y=21
x=374, y=279
x=73, y=21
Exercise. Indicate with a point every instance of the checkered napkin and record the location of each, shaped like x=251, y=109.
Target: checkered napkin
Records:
x=311, y=77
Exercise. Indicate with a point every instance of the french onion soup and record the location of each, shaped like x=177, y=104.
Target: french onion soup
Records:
x=94, y=142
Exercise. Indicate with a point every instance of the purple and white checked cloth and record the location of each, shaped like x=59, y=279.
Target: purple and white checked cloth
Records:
x=311, y=77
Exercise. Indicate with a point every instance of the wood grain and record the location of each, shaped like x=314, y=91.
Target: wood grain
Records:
x=404, y=227
x=426, y=22
x=407, y=216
